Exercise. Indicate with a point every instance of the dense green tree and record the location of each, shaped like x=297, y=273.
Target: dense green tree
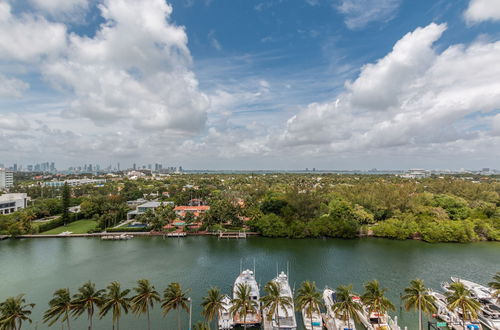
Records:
x=374, y=298
x=13, y=312
x=115, y=300
x=65, y=199
x=59, y=306
x=309, y=298
x=459, y=298
x=417, y=297
x=273, y=301
x=345, y=307
x=87, y=299
x=145, y=298
x=212, y=304
x=174, y=298
x=243, y=304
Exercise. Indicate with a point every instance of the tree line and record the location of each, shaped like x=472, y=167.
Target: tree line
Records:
x=115, y=300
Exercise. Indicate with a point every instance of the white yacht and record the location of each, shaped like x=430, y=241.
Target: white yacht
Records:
x=252, y=319
x=377, y=321
x=285, y=318
x=226, y=321
x=313, y=321
x=490, y=310
x=338, y=322
x=452, y=318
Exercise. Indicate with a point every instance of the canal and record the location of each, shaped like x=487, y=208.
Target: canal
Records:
x=37, y=267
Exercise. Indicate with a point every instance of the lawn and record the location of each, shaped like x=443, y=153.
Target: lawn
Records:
x=77, y=227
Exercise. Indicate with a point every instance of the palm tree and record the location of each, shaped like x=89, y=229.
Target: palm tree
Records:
x=86, y=300
x=212, y=304
x=273, y=301
x=13, y=311
x=374, y=297
x=144, y=299
x=495, y=285
x=60, y=305
x=116, y=300
x=243, y=303
x=308, y=298
x=458, y=297
x=175, y=298
x=417, y=297
x=345, y=306
x=201, y=326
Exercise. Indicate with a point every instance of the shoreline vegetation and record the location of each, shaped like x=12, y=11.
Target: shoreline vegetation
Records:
x=448, y=208
x=116, y=301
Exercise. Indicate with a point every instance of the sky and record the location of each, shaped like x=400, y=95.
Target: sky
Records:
x=251, y=84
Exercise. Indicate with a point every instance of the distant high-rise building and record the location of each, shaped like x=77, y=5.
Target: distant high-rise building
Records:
x=134, y=166
x=180, y=168
x=6, y=179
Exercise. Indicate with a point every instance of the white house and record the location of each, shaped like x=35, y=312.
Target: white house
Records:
x=141, y=209
x=10, y=203
x=6, y=179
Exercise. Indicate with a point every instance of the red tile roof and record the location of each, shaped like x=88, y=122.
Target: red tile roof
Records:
x=192, y=208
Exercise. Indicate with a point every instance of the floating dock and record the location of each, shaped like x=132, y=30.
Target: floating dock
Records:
x=229, y=234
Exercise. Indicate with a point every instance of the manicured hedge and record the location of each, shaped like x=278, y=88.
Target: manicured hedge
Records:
x=126, y=229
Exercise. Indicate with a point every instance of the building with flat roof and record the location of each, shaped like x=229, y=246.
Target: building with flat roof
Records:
x=143, y=208
x=73, y=182
x=6, y=179
x=10, y=203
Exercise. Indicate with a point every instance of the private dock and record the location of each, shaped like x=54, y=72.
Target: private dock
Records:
x=176, y=234
x=232, y=234
x=3, y=237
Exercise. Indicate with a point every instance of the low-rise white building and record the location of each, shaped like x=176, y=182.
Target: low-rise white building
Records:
x=6, y=179
x=73, y=182
x=141, y=209
x=10, y=203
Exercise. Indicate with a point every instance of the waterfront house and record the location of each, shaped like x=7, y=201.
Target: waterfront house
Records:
x=141, y=209
x=196, y=210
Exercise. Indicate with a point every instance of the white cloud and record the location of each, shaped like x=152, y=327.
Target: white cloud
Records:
x=495, y=127
x=28, y=37
x=13, y=122
x=482, y=10
x=12, y=87
x=135, y=68
x=411, y=98
x=213, y=41
x=359, y=13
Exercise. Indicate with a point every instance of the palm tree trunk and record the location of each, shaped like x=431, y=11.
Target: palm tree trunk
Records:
x=245, y=321
x=90, y=319
x=149, y=322
x=67, y=322
x=419, y=314
x=179, y=319
x=118, y=324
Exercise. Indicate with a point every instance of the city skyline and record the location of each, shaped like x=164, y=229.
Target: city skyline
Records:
x=330, y=84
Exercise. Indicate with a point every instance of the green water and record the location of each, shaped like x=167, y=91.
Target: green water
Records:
x=39, y=266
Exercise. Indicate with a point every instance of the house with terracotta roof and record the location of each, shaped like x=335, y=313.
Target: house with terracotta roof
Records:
x=196, y=210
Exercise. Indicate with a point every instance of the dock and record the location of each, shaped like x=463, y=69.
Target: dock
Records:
x=3, y=237
x=176, y=234
x=232, y=234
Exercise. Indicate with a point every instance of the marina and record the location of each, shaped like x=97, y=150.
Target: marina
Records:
x=201, y=262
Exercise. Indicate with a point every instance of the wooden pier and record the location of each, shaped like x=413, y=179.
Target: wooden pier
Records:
x=3, y=237
x=232, y=234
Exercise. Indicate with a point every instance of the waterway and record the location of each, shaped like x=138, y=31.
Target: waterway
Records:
x=37, y=267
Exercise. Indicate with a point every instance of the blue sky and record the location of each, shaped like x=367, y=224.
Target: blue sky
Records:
x=243, y=84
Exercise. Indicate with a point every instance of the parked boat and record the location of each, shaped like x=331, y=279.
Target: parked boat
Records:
x=375, y=320
x=285, y=318
x=313, y=321
x=120, y=237
x=338, y=322
x=252, y=319
x=226, y=320
x=489, y=315
x=451, y=317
